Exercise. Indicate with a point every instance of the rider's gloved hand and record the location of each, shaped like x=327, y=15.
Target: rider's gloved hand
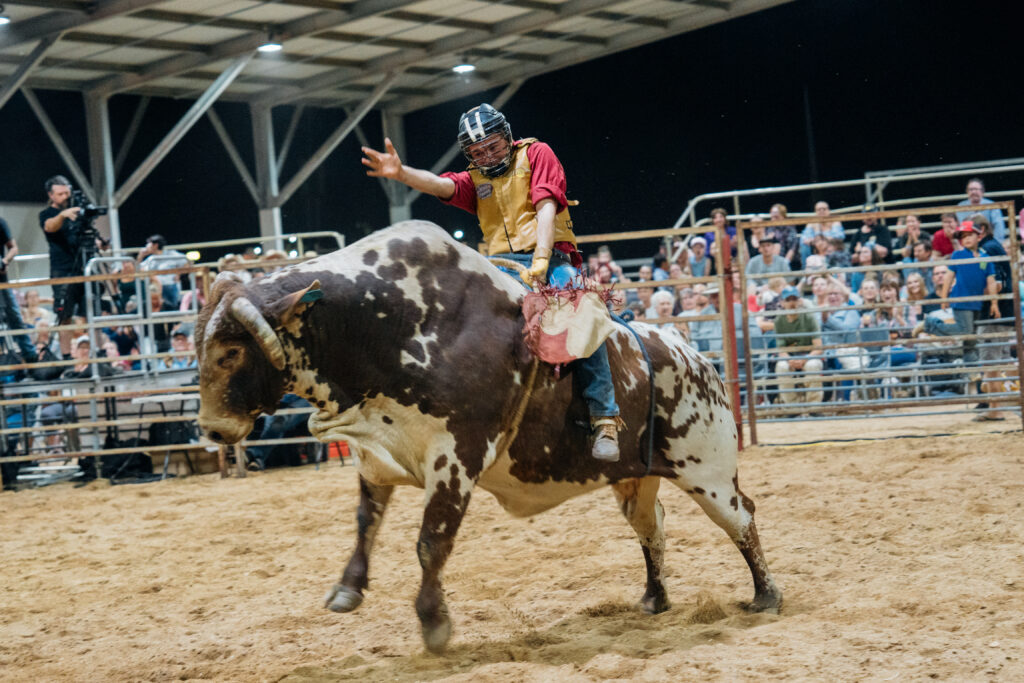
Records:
x=537, y=274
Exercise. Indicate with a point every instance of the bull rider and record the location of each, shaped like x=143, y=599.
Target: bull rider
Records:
x=516, y=189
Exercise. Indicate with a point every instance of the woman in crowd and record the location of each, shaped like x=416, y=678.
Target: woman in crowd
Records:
x=685, y=301
x=904, y=246
x=720, y=219
x=899, y=320
x=867, y=295
x=914, y=293
x=33, y=311
x=819, y=294
x=789, y=242
x=866, y=256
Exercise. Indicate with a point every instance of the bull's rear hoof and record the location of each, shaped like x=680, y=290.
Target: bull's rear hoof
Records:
x=342, y=598
x=436, y=637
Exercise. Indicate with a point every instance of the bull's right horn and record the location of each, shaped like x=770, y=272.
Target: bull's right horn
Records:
x=224, y=280
x=246, y=313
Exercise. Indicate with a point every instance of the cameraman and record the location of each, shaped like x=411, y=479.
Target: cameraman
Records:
x=58, y=221
x=8, y=304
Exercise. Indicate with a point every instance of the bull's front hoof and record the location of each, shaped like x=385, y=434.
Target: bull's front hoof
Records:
x=436, y=636
x=769, y=603
x=654, y=604
x=342, y=598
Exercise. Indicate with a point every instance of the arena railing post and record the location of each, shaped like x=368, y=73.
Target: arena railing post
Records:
x=1018, y=324
x=724, y=262
x=748, y=361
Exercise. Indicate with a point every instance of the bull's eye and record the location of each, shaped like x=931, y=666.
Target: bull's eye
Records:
x=229, y=357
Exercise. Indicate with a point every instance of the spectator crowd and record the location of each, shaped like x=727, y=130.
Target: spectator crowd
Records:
x=824, y=321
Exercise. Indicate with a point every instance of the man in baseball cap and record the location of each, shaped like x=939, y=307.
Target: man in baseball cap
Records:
x=971, y=280
x=800, y=369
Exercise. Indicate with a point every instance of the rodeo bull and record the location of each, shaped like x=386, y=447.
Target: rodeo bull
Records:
x=410, y=347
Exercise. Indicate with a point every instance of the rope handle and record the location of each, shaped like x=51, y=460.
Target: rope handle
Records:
x=511, y=265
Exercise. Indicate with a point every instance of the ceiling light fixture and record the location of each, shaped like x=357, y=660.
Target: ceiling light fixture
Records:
x=273, y=43
x=4, y=19
x=464, y=66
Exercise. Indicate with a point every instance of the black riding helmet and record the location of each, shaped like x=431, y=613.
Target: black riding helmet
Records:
x=478, y=124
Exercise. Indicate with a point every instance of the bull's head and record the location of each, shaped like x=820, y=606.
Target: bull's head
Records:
x=241, y=359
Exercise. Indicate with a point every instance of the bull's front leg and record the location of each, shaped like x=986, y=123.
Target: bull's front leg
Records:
x=346, y=595
x=447, y=496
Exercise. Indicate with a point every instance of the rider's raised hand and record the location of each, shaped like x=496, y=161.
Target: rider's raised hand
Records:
x=386, y=164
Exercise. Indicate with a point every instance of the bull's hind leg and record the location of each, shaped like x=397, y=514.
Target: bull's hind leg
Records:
x=447, y=496
x=638, y=500
x=726, y=505
x=346, y=595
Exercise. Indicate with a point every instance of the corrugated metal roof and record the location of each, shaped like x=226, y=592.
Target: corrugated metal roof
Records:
x=334, y=51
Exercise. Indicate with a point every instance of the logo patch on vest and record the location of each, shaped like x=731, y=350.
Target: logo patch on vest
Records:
x=484, y=190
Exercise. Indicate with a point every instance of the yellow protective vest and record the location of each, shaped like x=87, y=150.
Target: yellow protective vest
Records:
x=507, y=217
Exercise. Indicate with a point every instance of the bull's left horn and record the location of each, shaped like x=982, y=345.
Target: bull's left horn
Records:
x=252, y=320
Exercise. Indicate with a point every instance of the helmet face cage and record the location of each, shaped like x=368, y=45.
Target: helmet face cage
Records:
x=478, y=124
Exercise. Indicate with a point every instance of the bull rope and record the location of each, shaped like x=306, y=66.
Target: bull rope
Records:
x=517, y=417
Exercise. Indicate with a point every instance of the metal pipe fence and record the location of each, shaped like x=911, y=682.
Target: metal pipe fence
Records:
x=879, y=370
x=100, y=405
x=876, y=369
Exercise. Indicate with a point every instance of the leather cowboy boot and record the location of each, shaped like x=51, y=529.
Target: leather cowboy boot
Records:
x=605, y=431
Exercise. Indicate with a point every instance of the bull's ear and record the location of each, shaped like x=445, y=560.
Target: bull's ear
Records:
x=291, y=306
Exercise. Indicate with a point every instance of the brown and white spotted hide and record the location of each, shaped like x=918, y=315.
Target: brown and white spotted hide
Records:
x=414, y=355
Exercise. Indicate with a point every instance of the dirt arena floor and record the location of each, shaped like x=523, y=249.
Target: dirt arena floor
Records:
x=900, y=560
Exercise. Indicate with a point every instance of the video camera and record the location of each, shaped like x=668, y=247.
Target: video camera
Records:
x=83, y=231
x=89, y=210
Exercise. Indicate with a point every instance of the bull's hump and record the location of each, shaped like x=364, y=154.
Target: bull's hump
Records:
x=400, y=252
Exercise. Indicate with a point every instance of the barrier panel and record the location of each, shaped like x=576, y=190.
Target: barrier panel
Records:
x=87, y=416
x=893, y=363
x=726, y=334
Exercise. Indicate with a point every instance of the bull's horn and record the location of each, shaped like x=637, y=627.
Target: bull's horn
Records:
x=224, y=279
x=252, y=320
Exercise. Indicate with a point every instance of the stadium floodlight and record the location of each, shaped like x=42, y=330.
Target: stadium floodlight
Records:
x=459, y=234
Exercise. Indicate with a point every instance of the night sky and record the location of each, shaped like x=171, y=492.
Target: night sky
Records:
x=891, y=84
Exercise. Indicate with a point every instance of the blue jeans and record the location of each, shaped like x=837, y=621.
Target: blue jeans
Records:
x=963, y=323
x=12, y=315
x=279, y=427
x=593, y=374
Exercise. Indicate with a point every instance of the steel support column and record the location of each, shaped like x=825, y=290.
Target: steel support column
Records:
x=336, y=137
x=399, y=204
x=15, y=80
x=233, y=154
x=58, y=142
x=194, y=113
x=129, y=136
x=266, y=173
x=101, y=162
